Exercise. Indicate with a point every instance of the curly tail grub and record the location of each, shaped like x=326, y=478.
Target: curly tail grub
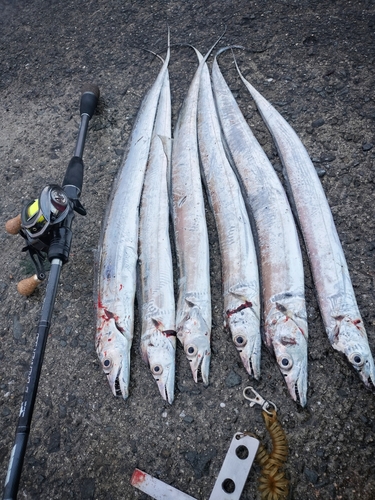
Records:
x=272, y=484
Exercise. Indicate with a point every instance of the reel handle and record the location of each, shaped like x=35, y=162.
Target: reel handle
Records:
x=27, y=286
x=13, y=226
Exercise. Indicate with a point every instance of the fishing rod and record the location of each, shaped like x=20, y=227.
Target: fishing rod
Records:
x=45, y=224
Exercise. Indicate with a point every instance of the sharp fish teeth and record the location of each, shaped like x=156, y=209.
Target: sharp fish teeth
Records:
x=117, y=387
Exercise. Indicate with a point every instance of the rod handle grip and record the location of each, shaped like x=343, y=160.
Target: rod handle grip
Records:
x=74, y=175
x=13, y=226
x=89, y=99
x=28, y=285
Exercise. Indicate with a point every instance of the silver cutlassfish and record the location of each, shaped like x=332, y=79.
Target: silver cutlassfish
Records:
x=193, y=315
x=158, y=338
x=118, y=249
x=238, y=255
x=282, y=277
x=337, y=302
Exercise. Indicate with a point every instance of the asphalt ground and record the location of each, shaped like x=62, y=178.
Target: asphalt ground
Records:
x=315, y=62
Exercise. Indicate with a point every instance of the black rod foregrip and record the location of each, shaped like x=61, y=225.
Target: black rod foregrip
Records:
x=89, y=99
x=74, y=173
x=81, y=139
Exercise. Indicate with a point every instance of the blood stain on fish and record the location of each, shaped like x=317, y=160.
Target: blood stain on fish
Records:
x=239, y=308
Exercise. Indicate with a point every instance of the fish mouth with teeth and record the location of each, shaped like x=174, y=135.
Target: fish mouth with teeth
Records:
x=198, y=355
x=289, y=344
x=158, y=350
x=349, y=337
x=117, y=372
x=194, y=334
x=113, y=349
x=243, y=324
x=297, y=382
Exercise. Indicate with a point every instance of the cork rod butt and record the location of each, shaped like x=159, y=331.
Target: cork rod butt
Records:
x=13, y=226
x=28, y=285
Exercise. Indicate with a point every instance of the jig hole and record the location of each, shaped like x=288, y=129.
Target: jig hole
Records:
x=228, y=485
x=242, y=452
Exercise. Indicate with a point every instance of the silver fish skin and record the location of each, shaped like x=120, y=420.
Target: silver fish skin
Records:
x=193, y=314
x=118, y=249
x=240, y=274
x=158, y=337
x=282, y=277
x=337, y=302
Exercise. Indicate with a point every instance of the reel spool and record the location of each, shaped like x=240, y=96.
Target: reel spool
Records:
x=49, y=209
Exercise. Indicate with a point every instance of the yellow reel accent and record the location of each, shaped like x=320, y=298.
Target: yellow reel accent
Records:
x=33, y=209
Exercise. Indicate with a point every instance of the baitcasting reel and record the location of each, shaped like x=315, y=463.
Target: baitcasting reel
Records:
x=45, y=223
x=40, y=219
x=40, y=224
x=38, y=216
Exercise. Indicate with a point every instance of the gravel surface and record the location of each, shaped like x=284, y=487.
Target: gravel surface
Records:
x=315, y=62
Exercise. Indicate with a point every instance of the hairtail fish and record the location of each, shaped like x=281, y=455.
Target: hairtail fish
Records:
x=193, y=314
x=118, y=249
x=282, y=278
x=240, y=274
x=158, y=337
x=341, y=317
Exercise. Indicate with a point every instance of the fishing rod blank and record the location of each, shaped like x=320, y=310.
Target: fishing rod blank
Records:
x=45, y=224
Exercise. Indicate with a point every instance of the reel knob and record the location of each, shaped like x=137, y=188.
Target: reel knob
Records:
x=13, y=226
x=28, y=285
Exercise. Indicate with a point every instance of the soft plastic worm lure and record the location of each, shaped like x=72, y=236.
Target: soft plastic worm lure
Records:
x=272, y=484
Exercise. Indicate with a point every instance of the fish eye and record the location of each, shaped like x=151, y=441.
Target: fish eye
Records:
x=285, y=362
x=240, y=341
x=107, y=364
x=156, y=369
x=191, y=350
x=356, y=359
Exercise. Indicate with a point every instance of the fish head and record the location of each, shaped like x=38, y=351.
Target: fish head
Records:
x=289, y=344
x=113, y=350
x=194, y=335
x=244, y=328
x=159, y=352
x=351, y=339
